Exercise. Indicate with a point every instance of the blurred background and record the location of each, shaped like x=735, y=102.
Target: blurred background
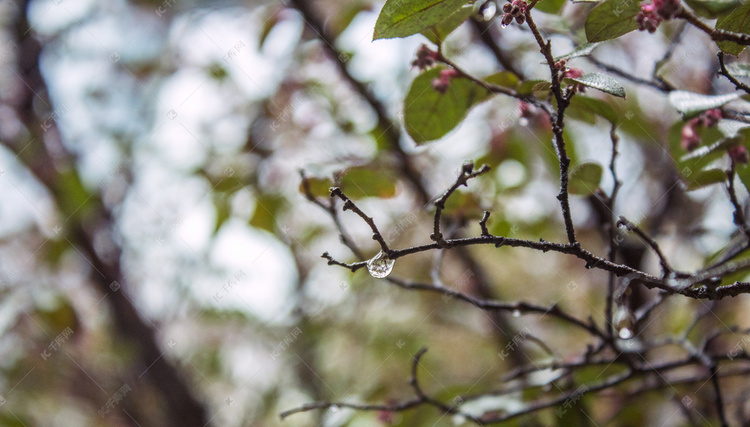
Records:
x=160, y=262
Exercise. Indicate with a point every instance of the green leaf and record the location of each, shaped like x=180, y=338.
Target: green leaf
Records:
x=737, y=21
x=223, y=210
x=743, y=172
x=503, y=78
x=318, y=187
x=439, y=32
x=583, y=50
x=549, y=6
x=691, y=103
x=585, y=178
x=711, y=9
x=538, y=88
x=603, y=83
x=362, y=181
x=429, y=114
x=593, y=106
x=267, y=209
x=739, y=69
x=705, y=178
x=400, y=18
x=611, y=19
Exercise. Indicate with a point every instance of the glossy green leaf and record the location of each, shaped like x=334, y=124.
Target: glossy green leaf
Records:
x=611, y=19
x=603, y=83
x=711, y=9
x=400, y=18
x=691, y=103
x=439, y=32
x=584, y=179
x=429, y=114
x=737, y=21
x=583, y=50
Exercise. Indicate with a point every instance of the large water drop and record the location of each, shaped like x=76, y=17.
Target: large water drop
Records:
x=489, y=10
x=380, y=266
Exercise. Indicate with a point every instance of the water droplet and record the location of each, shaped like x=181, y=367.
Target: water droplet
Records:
x=380, y=266
x=523, y=121
x=625, y=333
x=489, y=10
x=516, y=313
x=624, y=322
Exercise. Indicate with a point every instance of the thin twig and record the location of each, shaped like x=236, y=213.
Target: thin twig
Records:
x=467, y=173
x=724, y=72
x=665, y=267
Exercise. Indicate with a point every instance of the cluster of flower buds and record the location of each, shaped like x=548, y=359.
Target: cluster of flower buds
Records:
x=443, y=82
x=690, y=138
x=651, y=15
x=571, y=73
x=739, y=154
x=515, y=9
x=426, y=58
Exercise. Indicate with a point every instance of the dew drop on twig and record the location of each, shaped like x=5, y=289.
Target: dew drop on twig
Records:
x=380, y=266
x=625, y=333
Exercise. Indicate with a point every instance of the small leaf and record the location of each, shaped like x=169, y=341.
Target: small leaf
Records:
x=739, y=69
x=603, y=83
x=583, y=50
x=611, y=19
x=503, y=78
x=711, y=9
x=429, y=114
x=439, y=32
x=538, y=88
x=318, y=187
x=400, y=18
x=705, y=178
x=362, y=181
x=223, y=210
x=737, y=21
x=691, y=103
x=267, y=209
x=585, y=178
x=595, y=106
x=743, y=172
x=549, y=6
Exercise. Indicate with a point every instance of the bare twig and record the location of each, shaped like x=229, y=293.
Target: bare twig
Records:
x=665, y=267
x=467, y=173
x=724, y=72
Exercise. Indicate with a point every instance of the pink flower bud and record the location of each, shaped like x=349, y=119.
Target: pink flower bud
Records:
x=573, y=73
x=690, y=139
x=711, y=117
x=739, y=154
